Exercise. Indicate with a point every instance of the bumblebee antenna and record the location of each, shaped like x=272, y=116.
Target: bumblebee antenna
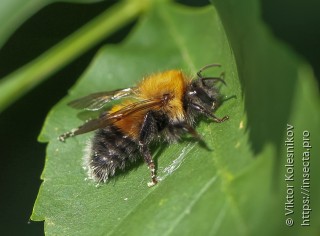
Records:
x=206, y=67
x=210, y=78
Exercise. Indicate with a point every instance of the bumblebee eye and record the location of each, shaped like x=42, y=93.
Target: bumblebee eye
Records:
x=203, y=96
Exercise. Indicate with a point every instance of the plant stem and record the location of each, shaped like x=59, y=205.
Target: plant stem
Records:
x=18, y=83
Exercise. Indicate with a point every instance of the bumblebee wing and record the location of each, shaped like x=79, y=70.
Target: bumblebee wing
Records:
x=96, y=101
x=110, y=118
x=133, y=108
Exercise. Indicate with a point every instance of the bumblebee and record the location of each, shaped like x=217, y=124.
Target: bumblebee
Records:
x=161, y=107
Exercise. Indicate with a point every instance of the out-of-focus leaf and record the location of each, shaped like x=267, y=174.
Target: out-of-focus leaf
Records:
x=14, y=12
x=16, y=84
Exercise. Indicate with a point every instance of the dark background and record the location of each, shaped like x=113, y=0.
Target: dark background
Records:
x=22, y=157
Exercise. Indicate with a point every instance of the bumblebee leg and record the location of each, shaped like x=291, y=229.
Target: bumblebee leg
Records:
x=148, y=130
x=144, y=149
x=188, y=128
x=208, y=113
x=219, y=120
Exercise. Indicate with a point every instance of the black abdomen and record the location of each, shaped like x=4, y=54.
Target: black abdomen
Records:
x=109, y=150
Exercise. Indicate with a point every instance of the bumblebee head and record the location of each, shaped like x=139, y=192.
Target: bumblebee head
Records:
x=205, y=92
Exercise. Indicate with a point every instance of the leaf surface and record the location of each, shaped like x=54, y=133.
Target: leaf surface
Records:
x=231, y=189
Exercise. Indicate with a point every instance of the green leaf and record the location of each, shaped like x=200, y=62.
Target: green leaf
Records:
x=237, y=187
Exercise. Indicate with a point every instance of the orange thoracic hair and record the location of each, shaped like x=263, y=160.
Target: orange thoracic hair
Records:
x=172, y=82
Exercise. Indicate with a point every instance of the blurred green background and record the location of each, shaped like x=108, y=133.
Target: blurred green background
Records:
x=22, y=157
